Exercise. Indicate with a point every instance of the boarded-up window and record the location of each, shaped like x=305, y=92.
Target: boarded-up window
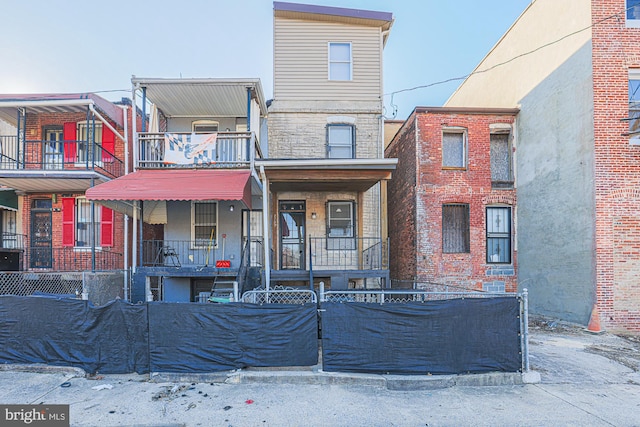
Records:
x=455, y=228
x=498, y=235
x=454, y=149
x=500, y=160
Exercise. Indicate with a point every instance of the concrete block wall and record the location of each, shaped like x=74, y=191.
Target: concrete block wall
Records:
x=616, y=52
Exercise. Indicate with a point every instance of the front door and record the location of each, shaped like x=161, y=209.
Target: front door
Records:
x=53, y=149
x=292, y=232
x=40, y=247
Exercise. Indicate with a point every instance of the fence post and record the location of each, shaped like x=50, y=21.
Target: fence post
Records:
x=321, y=291
x=525, y=328
x=235, y=291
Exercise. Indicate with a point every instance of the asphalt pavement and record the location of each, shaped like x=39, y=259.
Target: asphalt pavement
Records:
x=577, y=378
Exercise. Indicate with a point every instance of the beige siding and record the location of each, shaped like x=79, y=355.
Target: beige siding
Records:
x=301, y=61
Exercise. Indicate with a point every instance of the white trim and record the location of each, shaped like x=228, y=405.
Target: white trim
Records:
x=330, y=61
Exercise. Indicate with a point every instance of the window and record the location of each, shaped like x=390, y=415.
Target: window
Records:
x=204, y=126
x=455, y=228
x=454, y=149
x=76, y=223
x=204, y=220
x=340, y=141
x=498, y=235
x=633, y=13
x=500, y=153
x=340, y=61
x=340, y=225
x=634, y=104
x=88, y=134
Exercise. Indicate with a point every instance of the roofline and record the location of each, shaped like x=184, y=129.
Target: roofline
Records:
x=252, y=82
x=334, y=11
x=468, y=110
x=327, y=163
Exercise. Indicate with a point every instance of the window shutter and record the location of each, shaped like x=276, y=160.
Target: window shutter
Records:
x=69, y=137
x=106, y=227
x=108, y=144
x=68, y=221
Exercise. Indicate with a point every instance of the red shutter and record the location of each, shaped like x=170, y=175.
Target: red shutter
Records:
x=106, y=227
x=69, y=137
x=108, y=144
x=68, y=221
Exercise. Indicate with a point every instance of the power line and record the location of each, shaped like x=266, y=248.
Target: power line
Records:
x=395, y=107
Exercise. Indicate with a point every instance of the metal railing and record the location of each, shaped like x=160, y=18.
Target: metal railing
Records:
x=400, y=296
x=349, y=253
x=71, y=259
x=232, y=150
x=13, y=241
x=280, y=295
x=58, y=155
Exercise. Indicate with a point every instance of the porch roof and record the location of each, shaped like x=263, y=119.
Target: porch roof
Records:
x=173, y=184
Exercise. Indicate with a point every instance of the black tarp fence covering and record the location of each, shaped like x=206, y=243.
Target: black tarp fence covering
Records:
x=210, y=337
x=69, y=332
x=160, y=337
x=455, y=336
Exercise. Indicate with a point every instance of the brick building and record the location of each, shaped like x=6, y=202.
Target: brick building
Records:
x=452, y=202
x=576, y=85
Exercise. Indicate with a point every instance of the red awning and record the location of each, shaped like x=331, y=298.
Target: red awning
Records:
x=176, y=184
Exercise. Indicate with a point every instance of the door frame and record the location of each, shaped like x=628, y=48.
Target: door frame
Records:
x=292, y=206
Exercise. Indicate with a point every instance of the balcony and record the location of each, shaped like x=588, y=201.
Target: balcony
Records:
x=230, y=150
x=349, y=253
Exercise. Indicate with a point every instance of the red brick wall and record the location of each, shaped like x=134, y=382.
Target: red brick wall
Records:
x=616, y=50
x=418, y=148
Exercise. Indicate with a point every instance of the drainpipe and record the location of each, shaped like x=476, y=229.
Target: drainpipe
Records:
x=107, y=124
x=266, y=229
x=125, y=114
x=134, y=123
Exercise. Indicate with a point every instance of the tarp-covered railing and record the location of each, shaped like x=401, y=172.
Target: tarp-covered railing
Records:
x=455, y=336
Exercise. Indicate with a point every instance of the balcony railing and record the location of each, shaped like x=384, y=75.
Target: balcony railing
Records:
x=185, y=253
x=71, y=259
x=231, y=150
x=58, y=156
x=12, y=241
x=344, y=253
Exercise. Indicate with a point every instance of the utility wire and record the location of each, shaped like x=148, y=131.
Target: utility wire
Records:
x=395, y=107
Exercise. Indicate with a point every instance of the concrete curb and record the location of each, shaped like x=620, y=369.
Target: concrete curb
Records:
x=44, y=369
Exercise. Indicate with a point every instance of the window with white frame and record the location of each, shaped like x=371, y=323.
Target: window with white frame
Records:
x=498, y=235
x=454, y=149
x=340, y=141
x=88, y=134
x=455, y=228
x=204, y=126
x=500, y=155
x=340, y=61
x=83, y=223
x=204, y=222
x=340, y=225
x=634, y=104
x=633, y=13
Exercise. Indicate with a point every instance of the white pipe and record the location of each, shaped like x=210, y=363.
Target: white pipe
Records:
x=49, y=103
x=106, y=123
x=265, y=229
x=125, y=113
x=134, y=124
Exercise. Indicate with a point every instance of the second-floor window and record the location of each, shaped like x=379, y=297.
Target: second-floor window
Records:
x=340, y=61
x=500, y=154
x=88, y=134
x=454, y=149
x=633, y=13
x=204, y=221
x=340, y=141
x=634, y=104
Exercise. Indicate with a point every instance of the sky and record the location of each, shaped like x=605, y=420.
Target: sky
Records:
x=69, y=46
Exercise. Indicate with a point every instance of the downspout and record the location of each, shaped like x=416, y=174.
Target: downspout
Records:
x=141, y=223
x=125, y=114
x=266, y=229
x=134, y=123
x=111, y=128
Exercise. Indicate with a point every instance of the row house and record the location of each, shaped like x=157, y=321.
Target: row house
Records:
x=53, y=148
x=578, y=166
x=326, y=170
x=194, y=195
x=452, y=201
